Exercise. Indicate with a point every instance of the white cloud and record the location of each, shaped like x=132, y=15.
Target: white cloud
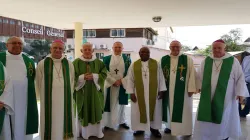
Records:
x=204, y=35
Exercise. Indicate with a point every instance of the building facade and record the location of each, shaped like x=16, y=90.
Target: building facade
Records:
x=103, y=39
x=36, y=38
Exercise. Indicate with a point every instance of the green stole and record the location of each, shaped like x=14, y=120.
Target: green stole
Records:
x=48, y=82
x=212, y=110
x=123, y=97
x=32, y=112
x=153, y=88
x=179, y=91
x=89, y=101
x=2, y=86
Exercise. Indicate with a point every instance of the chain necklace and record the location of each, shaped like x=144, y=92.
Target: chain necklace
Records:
x=116, y=64
x=145, y=71
x=217, y=67
x=58, y=72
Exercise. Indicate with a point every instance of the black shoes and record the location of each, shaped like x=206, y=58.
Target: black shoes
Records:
x=137, y=133
x=124, y=125
x=167, y=131
x=155, y=132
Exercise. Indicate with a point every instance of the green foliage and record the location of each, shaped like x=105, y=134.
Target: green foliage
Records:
x=206, y=52
x=40, y=48
x=232, y=40
x=3, y=46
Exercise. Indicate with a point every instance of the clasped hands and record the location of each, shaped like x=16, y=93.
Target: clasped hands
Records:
x=118, y=83
x=88, y=77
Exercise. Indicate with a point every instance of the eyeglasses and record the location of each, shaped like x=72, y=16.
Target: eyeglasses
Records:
x=15, y=43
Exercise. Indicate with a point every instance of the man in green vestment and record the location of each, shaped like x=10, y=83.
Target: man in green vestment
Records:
x=6, y=104
x=145, y=85
x=55, y=78
x=222, y=85
x=21, y=69
x=115, y=88
x=179, y=73
x=90, y=74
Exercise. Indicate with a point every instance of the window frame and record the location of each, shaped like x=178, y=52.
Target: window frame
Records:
x=118, y=33
x=89, y=33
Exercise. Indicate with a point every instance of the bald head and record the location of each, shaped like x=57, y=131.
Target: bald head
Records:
x=87, y=50
x=117, y=48
x=14, y=45
x=144, y=53
x=175, y=47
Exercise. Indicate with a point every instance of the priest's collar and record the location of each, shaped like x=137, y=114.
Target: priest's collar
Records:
x=88, y=60
x=116, y=55
x=54, y=59
x=9, y=54
x=145, y=61
x=176, y=56
x=223, y=57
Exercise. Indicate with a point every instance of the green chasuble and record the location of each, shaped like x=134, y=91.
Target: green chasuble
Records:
x=32, y=112
x=89, y=100
x=211, y=110
x=179, y=90
x=153, y=88
x=48, y=82
x=2, y=82
x=123, y=97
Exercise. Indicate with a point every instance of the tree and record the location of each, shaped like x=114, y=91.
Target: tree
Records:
x=3, y=46
x=232, y=40
x=40, y=48
x=186, y=48
x=207, y=51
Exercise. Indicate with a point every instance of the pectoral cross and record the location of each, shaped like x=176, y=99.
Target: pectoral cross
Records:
x=182, y=68
x=145, y=75
x=116, y=71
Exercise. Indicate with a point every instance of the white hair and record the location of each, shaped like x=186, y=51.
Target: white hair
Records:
x=88, y=44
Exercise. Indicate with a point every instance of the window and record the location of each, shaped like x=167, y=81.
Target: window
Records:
x=32, y=26
x=19, y=23
x=27, y=24
x=12, y=22
x=89, y=33
x=117, y=32
x=6, y=21
x=1, y=20
x=127, y=54
x=99, y=55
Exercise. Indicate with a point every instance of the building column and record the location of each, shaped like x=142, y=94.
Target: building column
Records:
x=78, y=39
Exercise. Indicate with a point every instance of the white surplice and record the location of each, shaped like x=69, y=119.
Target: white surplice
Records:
x=230, y=125
x=57, y=98
x=117, y=112
x=186, y=127
x=135, y=113
x=91, y=129
x=18, y=73
x=7, y=99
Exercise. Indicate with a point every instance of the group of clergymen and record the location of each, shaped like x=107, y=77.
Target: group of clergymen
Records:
x=77, y=99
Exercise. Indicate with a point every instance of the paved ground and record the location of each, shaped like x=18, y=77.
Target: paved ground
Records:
x=121, y=134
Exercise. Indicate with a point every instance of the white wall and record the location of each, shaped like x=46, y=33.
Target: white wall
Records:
x=164, y=38
x=132, y=44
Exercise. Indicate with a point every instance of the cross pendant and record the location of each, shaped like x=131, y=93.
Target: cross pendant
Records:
x=116, y=71
x=174, y=71
x=145, y=75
